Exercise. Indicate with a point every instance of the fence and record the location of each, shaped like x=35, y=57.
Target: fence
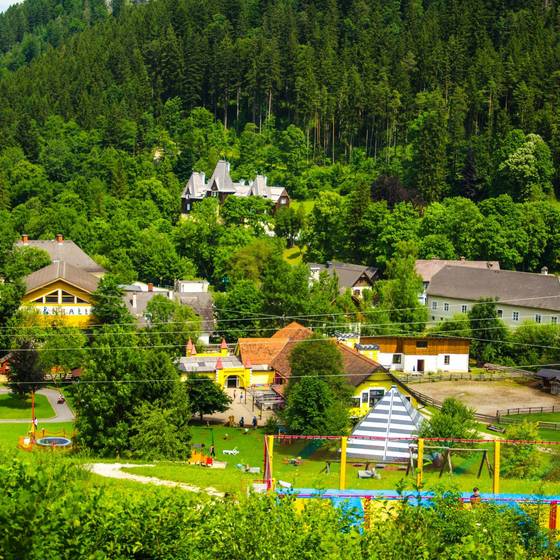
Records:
x=432, y=377
x=527, y=410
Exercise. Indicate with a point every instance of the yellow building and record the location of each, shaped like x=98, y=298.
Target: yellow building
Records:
x=223, y=368
x=61, y=292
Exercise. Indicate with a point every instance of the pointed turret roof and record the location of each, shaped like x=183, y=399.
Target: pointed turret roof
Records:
x=392, y=417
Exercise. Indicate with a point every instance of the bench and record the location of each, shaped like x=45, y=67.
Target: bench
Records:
x=368, y=474
x=492, y=428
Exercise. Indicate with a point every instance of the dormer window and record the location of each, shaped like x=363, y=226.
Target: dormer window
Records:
x=52, y=297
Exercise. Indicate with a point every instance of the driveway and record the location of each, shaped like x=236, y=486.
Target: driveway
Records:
x=62, y=412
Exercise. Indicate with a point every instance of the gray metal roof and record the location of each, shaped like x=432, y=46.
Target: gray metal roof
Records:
x=205, y=364
x=61, y=271
x=518, y=289
x=66, y=251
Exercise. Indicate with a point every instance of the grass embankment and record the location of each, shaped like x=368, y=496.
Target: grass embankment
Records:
x=15, y=408
x=294, y=255
x=311, y=473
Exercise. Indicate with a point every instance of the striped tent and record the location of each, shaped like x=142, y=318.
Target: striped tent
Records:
x=392, y=416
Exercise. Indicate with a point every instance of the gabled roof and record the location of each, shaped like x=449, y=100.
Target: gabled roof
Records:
x=65, y=250
x=347, y=274
x=61, y=271
x=221, y=178
x=392, y=417
x=260, y=351
x=518, y=289
x=195, y=187
x=428, y=268
x=357, y=367
x=293, y=331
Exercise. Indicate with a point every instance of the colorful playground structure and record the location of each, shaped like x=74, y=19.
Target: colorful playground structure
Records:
x=42, y=438
x=364, y=503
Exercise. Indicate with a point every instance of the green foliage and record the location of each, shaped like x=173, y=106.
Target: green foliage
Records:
x=489, y=331
x=452, y=420
x=398, y=296
x=26, y=374
x=312, y=408
x=159, y=433
x=136, y=521
x=108, y=304
x=62, y=350
x=519, y=460
x=205, y=396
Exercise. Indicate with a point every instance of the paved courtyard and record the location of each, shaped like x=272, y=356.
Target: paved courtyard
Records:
x=242, y=406
x=488, y=396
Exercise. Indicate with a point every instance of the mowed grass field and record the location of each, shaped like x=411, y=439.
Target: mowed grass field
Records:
x=311, y=473
x=15, y=408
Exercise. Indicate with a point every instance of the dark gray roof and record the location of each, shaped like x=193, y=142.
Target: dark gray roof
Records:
x=519, y=289
x=221, y=178
x=545, y=373
x=428, y=268
x=61, y=271
x=202, y=304
x=347, y=274
x=66, y=251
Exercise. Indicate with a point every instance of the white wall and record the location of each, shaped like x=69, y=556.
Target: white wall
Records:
x=434, y=363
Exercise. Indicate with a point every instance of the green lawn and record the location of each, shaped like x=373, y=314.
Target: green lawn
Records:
x=545, y=417
x=293, y=255
x=12, y=407
x=307, y=205
x=311, y=473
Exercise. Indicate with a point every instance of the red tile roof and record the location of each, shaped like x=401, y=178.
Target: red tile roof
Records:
x=260, y=351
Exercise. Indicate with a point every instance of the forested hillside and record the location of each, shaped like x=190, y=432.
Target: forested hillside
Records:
x=378, y=111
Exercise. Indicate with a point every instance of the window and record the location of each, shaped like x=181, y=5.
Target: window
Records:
x=421, y=344
x=446, y=307
x=464, y=308
x=52, y=297
x=397, y=358
x=500, y=313
x=39, y=300
x=515, y=316
x=375, y=395
x=434, y=304
x=355, y=401
x=67, y=298
x=365, y=396
x=554, y=320
x=538, y=318
x=446, y=359
x=80, y=300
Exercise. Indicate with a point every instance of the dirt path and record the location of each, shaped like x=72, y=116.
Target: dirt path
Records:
x=488, y=396
x=113, y=470
x=62, y=412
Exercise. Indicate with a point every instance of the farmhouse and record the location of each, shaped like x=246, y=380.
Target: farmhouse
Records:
x=353, y=277
x=520, y=296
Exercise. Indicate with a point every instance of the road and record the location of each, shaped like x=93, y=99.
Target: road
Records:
x=63, y=413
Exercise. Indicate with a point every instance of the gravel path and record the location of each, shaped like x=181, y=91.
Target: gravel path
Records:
x=63, y=413
x=113, y=470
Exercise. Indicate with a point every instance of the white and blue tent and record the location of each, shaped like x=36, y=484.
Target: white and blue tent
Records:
x=392, y=417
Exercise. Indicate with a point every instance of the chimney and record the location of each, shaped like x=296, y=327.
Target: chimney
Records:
x=25, y=238
x=150, y=287
x=462, y=259
x=59, y=238
x=134, y=305
x=544, y=270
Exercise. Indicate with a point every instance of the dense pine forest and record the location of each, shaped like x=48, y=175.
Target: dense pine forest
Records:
x=435, y=123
